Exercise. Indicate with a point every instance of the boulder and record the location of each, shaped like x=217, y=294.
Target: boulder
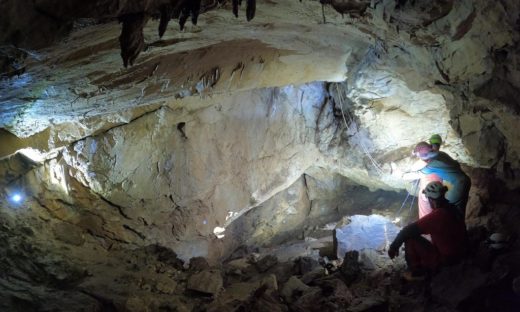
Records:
x=309, y=277
x=307, y=265
x=266, y=263
x=351, y=268
x=208, y=282
x=270, y=282
x=239, y=268
x=331, y=295
x=293, y=289
x=334, y=289
x=269, y=301
x=165, y=255
x=308, y=301
x=372, y=259
x=198, y=264
x=245, y=294
x=283, y=271
x=238, y=264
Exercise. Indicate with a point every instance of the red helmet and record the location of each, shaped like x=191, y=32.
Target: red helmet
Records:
x=422, y=150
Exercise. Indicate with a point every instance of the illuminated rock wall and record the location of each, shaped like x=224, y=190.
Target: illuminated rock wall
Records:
x=267, y=130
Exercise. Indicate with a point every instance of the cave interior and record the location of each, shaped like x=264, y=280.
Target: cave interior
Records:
x=214, y=155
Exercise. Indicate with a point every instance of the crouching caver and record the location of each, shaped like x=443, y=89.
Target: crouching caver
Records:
x=448, y=234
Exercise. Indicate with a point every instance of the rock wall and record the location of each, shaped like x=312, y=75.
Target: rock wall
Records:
x=204, y=168
x=309, y=209
x=268, y=130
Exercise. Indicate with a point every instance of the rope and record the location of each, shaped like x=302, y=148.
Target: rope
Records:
x=404, y=202
x=378, y=167
x=413, y=198
x=407, y=196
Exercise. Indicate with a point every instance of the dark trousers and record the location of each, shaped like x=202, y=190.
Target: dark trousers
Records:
x=420, y=254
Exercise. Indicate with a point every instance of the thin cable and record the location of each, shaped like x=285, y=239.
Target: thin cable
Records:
x=374, y=162
x=414, y=189
x=404, y=202
x=416, y=186
x=363, y=147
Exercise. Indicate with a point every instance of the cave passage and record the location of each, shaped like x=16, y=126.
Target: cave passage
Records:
x=250, y=155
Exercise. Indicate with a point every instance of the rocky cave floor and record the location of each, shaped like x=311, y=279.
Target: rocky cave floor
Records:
x=302, y=274
x=299, y=276
x=96, y=230
x=296, y=276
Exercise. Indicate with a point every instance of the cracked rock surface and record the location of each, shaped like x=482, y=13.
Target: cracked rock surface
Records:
x=230, y=137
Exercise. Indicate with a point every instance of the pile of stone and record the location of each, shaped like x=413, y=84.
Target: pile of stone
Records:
x=488, y=280
x=262, y=283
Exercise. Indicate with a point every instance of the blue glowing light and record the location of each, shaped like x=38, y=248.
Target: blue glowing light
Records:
x=16, y=198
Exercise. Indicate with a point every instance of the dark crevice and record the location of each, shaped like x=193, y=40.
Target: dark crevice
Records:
x=119, y=208
x=304, y=178
x=141, y=236
x=104, y=237
x=443, y=74
x=181, y=126
x=44, y=134
x=464, y=26
x=106, y=304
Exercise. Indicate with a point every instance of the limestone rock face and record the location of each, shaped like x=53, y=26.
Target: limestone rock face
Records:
x=232, y=134
x=196, y=160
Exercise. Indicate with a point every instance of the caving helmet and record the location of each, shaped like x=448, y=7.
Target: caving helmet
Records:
x=436, y=139
x=423, y=150
x=435, y=190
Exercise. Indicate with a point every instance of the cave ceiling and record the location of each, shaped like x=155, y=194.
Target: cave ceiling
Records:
x=408, y=67
x=460, y=55
x=85, y=77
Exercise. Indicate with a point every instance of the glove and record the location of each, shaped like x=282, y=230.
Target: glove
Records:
x=393, y=252
x=395, y=171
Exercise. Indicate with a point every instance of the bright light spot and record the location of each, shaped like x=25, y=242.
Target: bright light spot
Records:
x=16, y=198
x=218, y=232
x=205, y=222
x=365, y=232
x=396, y=220
x=33, y=154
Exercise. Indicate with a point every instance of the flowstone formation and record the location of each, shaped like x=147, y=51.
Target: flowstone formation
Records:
x=211, y=173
